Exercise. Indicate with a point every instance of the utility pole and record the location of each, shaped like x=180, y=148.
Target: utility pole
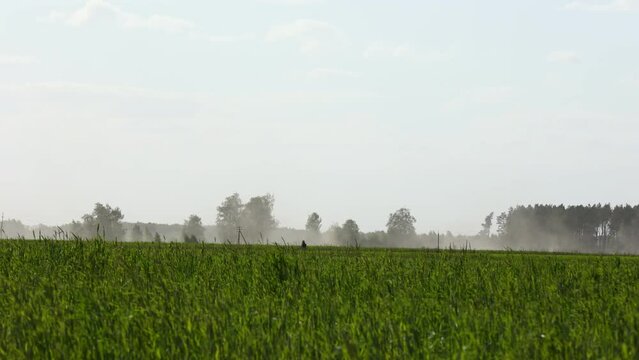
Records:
x=240, y=235
x=2, y=227
x=438, y=241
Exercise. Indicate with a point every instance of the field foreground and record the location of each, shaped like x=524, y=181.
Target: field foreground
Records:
x=95, y=299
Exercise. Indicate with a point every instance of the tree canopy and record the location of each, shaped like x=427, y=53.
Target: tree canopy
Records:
x=401, y=224
x=257, y=217
x=228, y=217
x=349, y=233
x=486, y=225
x=314, y=223
x=193, y=230
x=104, y=221
x=591, y=228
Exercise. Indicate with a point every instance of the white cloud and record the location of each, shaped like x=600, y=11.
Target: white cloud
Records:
x=95, y=8
x=385, y=50
x=106, y=89
x=161, y=22
x=320, y=73
x=563, y=57
x=631, y=79
x=381, y=50
x=230, y=38
x=604, y=6
x=16, y=60
x=489, y=95
x=270, y=100
x=312, y=36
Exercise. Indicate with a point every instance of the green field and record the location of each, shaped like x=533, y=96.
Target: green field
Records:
x=96, y=299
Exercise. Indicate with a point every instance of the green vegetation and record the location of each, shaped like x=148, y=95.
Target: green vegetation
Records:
x=97, y=299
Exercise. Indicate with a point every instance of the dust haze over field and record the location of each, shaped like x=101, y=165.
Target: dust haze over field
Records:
x=583, y=229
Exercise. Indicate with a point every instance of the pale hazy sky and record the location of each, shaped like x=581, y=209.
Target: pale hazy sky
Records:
x=352, y=109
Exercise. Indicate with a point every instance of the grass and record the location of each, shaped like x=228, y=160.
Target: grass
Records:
x=96, y=299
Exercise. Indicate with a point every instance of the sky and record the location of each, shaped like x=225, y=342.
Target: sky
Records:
x=353, y=109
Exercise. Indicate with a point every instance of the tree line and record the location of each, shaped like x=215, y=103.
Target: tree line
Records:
x=592, y=228
x=237, y=221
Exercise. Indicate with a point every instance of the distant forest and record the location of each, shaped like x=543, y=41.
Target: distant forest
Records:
x=590, y=228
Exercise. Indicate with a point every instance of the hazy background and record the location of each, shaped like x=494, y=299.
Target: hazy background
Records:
x=351, y=109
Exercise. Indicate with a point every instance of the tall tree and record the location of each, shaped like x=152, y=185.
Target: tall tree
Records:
x=193, y=230
x=401, y=224
x=502, y=223
x=229, y=216
x=104, y=221
x=257, y=217
x=349, y=234
x=313, y=224
x=488, y=223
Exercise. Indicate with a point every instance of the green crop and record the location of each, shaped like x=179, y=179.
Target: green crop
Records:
x=96, y=299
